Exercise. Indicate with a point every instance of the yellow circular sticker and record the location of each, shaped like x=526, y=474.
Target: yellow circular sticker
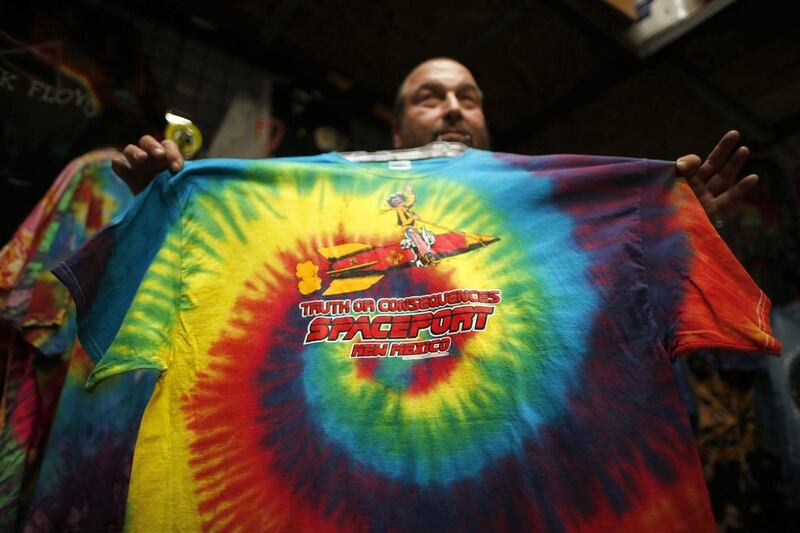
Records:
x=186, y=136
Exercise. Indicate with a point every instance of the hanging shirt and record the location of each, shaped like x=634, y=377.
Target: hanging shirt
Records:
x=38, y=333
x=85, y=196
x=317, y=374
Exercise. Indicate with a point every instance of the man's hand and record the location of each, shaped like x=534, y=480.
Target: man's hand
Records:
x=141, y=163
x=714, y=181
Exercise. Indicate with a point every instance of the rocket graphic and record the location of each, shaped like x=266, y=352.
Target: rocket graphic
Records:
x=356, y=266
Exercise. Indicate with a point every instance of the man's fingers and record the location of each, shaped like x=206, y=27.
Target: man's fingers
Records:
x=174, y=157
x=735, y=193
x=121, y=168
x=688, y=165
x=152, y=147
x=725, y=179
x=146, y=140
x=743, y=187
x=134, y=154
x=719, y=155
x=687, y=168
x=734, y=166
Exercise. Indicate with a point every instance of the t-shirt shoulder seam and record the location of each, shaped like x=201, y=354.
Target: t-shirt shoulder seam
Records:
x=64, y=272
x=102, y=373
x=651, y=319
x=768, y=347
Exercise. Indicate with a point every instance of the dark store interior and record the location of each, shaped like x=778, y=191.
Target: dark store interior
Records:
x=310, y=77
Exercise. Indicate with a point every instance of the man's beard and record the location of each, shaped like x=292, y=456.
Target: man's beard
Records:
x=462, y=135
x=476, y=139
x=415, y=137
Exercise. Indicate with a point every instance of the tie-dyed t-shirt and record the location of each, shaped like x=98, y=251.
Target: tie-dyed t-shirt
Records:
x=472, y=343
x=38, y=340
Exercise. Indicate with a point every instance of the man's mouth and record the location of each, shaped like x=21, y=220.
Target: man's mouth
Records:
x=455, y=136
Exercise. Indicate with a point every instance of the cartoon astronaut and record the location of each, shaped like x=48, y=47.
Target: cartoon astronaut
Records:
x=416, y=236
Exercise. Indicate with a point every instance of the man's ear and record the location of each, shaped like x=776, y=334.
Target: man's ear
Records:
x=397, y=140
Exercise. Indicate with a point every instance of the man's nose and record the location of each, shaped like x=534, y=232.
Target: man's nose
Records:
x=452, y=107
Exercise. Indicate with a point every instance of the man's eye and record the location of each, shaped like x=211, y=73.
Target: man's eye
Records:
x=427, y=98
x=468, y=99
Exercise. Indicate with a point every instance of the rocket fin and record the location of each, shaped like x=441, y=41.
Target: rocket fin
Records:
x=341, y=286
x=478, y=239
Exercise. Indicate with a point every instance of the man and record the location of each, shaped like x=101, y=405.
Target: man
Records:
x=440, y=99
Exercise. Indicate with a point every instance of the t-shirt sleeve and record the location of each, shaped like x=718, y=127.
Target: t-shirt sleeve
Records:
x=700, y=295
x=126, y=284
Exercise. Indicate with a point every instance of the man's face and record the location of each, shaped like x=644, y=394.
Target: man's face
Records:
x=441, y=101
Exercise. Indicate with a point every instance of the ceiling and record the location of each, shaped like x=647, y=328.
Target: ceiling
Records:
x=554, y=81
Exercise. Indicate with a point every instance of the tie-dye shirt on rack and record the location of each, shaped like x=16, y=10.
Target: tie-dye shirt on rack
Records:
x=85, y=196
x=45, y=367
x=480, y=342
